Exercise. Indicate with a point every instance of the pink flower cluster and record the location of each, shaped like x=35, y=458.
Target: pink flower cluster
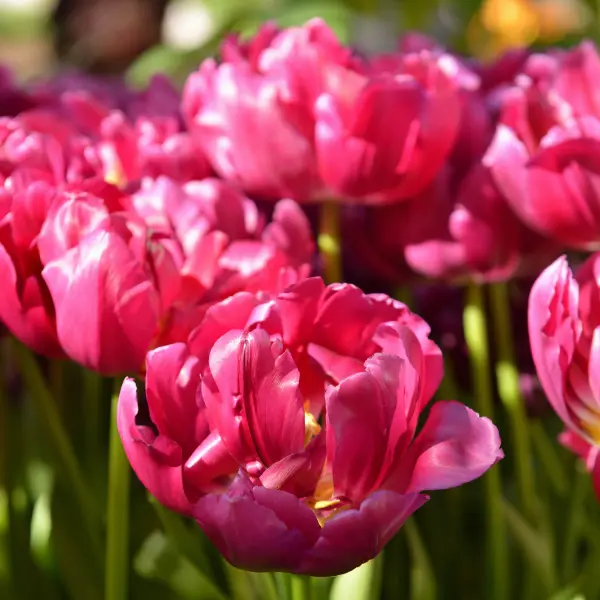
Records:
x=170, y=236
x=113, y=236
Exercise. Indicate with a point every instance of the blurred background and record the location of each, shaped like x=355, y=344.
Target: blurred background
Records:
x=141, y=37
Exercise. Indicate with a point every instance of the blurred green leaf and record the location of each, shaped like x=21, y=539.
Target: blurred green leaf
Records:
x=193, y=544
x=569, y=593
x=262, y=584
x=422, y=577
x=546, y=451
x=159, y=560
x=73, y=549
x=536, y=547
x=363, y=583
x=22, y=24
x=322, y=587
x=337, y=15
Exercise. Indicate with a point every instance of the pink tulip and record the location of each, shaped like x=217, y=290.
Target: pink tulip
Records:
x=268, y=86
x=553, y=190
x=459, y=228
x=225, y=245
x=316, y=495
x=386, y=135
x=317, y=516
x=25, y=305
x=543, y=157
x=565, y=336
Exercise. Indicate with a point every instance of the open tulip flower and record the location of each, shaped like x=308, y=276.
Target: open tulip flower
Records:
x=564, y=332
x=544, y=157
x=340, y=126
x=277, y=481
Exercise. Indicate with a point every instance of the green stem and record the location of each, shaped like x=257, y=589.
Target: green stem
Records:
x=282, y=582
x=188, y=543
x=475, y=327
x=507, y=378
x=574, y=523
x=116, y=583
x=546, y=450
x=301, y=588
x=329, y=241
x=57, y=436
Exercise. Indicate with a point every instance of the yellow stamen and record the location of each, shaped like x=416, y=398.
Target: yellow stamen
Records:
x=593, y=430
x=311, y=427
x=115, y=175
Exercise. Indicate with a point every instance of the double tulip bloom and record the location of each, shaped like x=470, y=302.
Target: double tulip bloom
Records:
x=564, y=332
x=287, y=428
x=544, y=157
x=339, y=126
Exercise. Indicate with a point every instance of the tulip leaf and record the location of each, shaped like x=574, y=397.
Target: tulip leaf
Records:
x=73, y=548
x=189, y=545
x=549, y=458
x=159, y=560
x=263, y=584
x=193, y=544
x=322, y=587
x=536, y=546
x=568, y=593
x=363, y=583
x=422, y=576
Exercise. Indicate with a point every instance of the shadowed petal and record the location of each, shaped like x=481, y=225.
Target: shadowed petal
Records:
x=353, y=537
x=258, y=529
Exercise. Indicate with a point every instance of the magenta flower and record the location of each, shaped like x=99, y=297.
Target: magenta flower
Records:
x=275, y=486
x=339, y=126
x=268, y=87
x=544, y=155
x=565, y=336
x=386, y=134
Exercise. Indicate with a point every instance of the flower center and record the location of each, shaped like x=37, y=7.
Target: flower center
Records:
x=592, y=428
x=323, y=503
x=311, y=427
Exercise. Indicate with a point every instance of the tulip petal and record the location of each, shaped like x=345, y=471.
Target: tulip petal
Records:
x=355, y=536
x=552, y=318
x=231, y=313
x=29, y=321
x=265, y=387
x=106, y=307
x=356, y=411
x=298, y=473
x=209, y=462
x=257, y=529
x=507, y=159
x=455, y=446
x=172, y=378
x=161, y=478
x=298, y=309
